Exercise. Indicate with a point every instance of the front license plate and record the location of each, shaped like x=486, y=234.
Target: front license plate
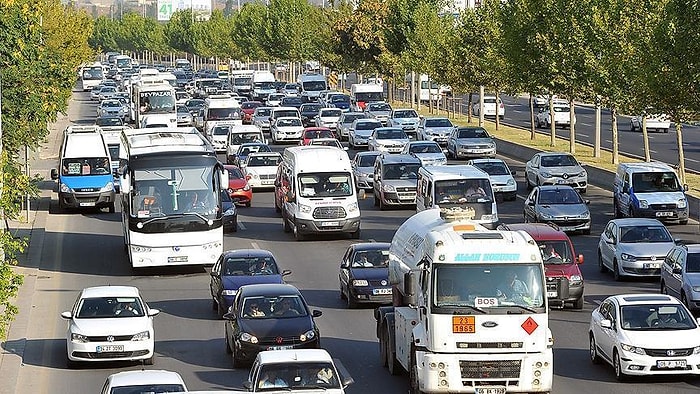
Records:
x=652, y=265
x=330, y=224
x=671, y=364
x=490, y=390
x=267, y=182
x=664, y=214
x=177, y=259
x=278, y=347
x=109, y=348
x=87, y=204
x=562, y=182
x=551, y=294
x=381, y=291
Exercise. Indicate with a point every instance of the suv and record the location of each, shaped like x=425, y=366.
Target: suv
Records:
x=680, y=275
x=395, y=180
x=564, y=278
x=555, y=168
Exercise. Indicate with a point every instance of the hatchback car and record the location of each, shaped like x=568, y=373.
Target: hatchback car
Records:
x=311, y=133
x=680, y=275
x=238, y=187
x=269, y=317
x=342, y=129
x=361, y=130
x=292, y=101
x=387, y=140
x=407, y=119
x=502, y=178
x=308, y=113
x=633, y=247
x=144, y=381
x=379, y=111
x=261, y=118
x=470, y=142
x=245, y=149
x=363, y=169
x=364, y=274
x=560, y=205
x=248, y=109
x=562, y=116
x=328, y=117
x=428, y=152
x=260, y=169
x=110, y=323
x=333, y=142
x=490, y=107
x=555, y=168
x=435, y=129
x=236, y=268
x=658, y=122
x=286, y=129
x=645, y=334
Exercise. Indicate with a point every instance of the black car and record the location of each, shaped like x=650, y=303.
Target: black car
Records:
x=109, y=121
x=230, y=213
x=292, y=101
x=194, y=105
x=269, y=317
x=364, y=274
x=308, y=113
x=236, y=268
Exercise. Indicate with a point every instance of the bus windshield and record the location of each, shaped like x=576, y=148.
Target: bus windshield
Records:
x=158, y=102
x=93, y=73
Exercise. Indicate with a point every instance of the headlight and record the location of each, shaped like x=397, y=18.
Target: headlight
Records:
x=696, y=350
x=142, y=336
x=682, y=203
x=245, y=337
x=307, y=336
x=582, y=173
x=230, y=212
x=246, y=187
x=546, y=216
x=304, y=208
x=352, y=207
x=696, y=289
x=510, y=182
x=545, y=174
x=359, y=283
x=108, y=187
x=388, y=188
x=79, y=338
x=229, y=292
x=633, y=349
x=585, y=215
x=576, y=279
x=492, y=145
x=643, y=204
x=65, y=189
x=628, y=257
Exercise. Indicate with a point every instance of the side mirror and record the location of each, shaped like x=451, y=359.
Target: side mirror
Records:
x=579, y=259
x=316, y=313
x=229, y=316
x=611, y=241
x=153, y=312
x=247, y=385
x=125, y=182
x=67, y=315
x=685, y=187
x=54, y=174
x=347, y=381
x=605, y=323
x=676, y=269
x=286, y=272
x=223, y=176
x=588, y=202
x=626, y=188
x=512, y=173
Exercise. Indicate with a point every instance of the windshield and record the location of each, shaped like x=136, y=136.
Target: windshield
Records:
x=209, y=83
x=261, y=307
x=367, y=160
x=340, y=98
x=242, y=138
x=194, y=104
x=405, y=114
x=93, y=73
x=245, y=149
x=234, y=173
x=181, y=109
x=555, y=252
x=371, y=125
x=161, y=102
x=241, y=81
x=249, y=266
x=289, y=122
x=424, y=148
x=493, y=168
x=391, y=134
x=384, y=107
x=369, y=96
x=491, y=287
x=292, y=101
x=264, y=85
x=644, y=234
x=331, y=113
x=291, y=113
x=124, y=62
x=298, y=376
x=650, y=317
x=438, y=123
x=561, y=109
x=558, y=161
x=263, y=112
x=460, y=191
x=370, y=259
x=250, y=105
x=401, y=171
x=558, y=196
x=473, y=133
x=649, y=182
x=109, y=121
x=313, y=108
x=85, y=166
x=351, y=118
x=158, y=388
x=113, y=152
x=309, y=134
x=263, y=161
x=220, y=130
x=109, y=307
x=314, y=86
x=325, y=184
x=223, y=113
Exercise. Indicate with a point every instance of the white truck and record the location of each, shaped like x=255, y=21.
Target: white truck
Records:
x=263, y=85
x=220, y=109
x=469, y=310
x=311, y=85
x=363, y=93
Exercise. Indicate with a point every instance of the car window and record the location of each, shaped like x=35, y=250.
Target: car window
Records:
x=109, y=307
x=644, y=234
x=493, y=168
x=558, y=161
x=249, y=266
x=273, y=307
x=692, y=263
x=263, y=161
x=473, y=133
x=648, y=317
x=560, y=196
x=367, y=160
x=288, y=122
x=438, y=123
x=405, y=114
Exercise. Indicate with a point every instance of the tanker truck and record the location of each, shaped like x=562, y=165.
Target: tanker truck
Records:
x=469, y=311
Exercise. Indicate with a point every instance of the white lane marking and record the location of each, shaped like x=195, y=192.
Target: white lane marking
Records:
x=693, y=160
x=241, y=226
x=652, y=151
x=255, y=245
x=585, y=124
x=520, y=197
x=582, y=134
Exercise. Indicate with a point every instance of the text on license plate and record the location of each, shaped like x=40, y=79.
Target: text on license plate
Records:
x=330, y=224
x=177, y=259
x=267, y=182
x=551, y=294
x=671, y=364
x=110, y=348
x=664, y=214
x=87, y=204
x=381, y=291
x=278, y=347
x=490, y=390
x=652, y=265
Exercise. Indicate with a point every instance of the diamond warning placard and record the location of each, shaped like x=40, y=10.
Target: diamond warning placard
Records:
x=529, y=325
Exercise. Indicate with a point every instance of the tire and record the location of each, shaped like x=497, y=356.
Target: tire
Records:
x=617, y=366
x=683, y=222
x=220, y=310
x=342, y=294
x=285, y=225
x=228, y=346
x=277, y=207
x=664, y=289
x=601, y=267
x=112, y=209
x=586, y=231
x=527, y=182
x=684, y=300
x=248, y=204
x=235, y=225
x=578, y=304
x=350, y=302
x=631, y=213
x=351, y=142
x=237, y=362
x=214, y=305
x=355, y=234
x=392, y=363
x=376, y=199
x=414, y=385
x=149, y=361
x=383, y=360
x=632, y=128
x=593, y=350
x=72, y=364
x=382, y=206
x=616, y=209
x=616, y=272
x=297, y=234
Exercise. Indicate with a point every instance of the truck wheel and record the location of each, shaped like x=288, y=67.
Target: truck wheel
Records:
x=393, y=364
x=297, y=234
x=414, y=387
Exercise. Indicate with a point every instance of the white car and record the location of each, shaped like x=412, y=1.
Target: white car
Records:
x=328, y=142
x=144, y=381
x=562, y=116
x=428, y=152
x=490, y=107
x=502, y=180
x=110, y=323
x=387, y=140
x=260, y=168
x=645, y=334
x=275, y=99
x=659, y=122
x=328, y=117
x=286, y=129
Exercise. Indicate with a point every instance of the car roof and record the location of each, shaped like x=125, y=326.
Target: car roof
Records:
x=293, y=356
x=248, y=253
x=268, y=289
x=142, y=377
x=110, y=291
x=480, y=161
x=644, y=299
x=422, y=143
x=368, y=153
x=636, y=222
x=554, y=187
x=555, y=154
x=647, y=167
x=399, y=159
x=370, y=246
x=539, y=231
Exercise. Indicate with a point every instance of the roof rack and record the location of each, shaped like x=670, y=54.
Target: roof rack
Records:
x=83, y=129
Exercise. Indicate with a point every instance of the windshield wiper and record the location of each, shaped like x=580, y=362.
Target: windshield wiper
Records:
x=459, y=305
x=151, y=220
x=527, y=308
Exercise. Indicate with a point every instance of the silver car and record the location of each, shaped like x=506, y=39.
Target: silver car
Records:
x=345, y=122
x=560, y=205
x=379, y=111
x=387, y=140
x=471, y=142
x=633, y=247
x=184, y=118
x=680, y=275
x=435, y=129
x=555, y=168
x=428, y=152
x=407, y=119
x=261, y=118
x=363, y=168
x=361, y=130
x=112, y=107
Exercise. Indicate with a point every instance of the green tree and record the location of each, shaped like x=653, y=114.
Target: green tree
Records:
x=248, y=30
x=104, y=35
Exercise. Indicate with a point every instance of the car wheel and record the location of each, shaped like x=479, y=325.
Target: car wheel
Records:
x=578, y=304
x=376, y=199
x=683, y=222
x=616, y=271
x=228, y=346
x=351, y=142
x=248, y=204
x=584, y=190
x=149, y=361
x=586, y=231
x=214, y=304
x=297, y=234
x=527, y=182
x=355, y=234
x=72, y=364
x=285, y=225
x=382, y=206
x=351, y=303
x=111, y=207
x=616, y=209
x=617, y=365
x=593, y=350
x=342, y=294
x=631, y=213
x=237, y=362
x=601, y=267
x=664, y=289
x=220, y=310
x=391, y=361
x=684, y=300
x=234, y=228
x=632, y=128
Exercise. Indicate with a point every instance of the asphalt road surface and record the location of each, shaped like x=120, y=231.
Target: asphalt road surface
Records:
x=84, y=249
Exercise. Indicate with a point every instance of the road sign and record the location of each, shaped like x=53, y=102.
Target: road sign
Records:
x=200, y=8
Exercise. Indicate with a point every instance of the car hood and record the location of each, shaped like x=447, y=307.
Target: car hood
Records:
x=370, y=273
x=282, y=327
x=236, y=183
x=363, y=133
x=663, y=339
x=563, y=209
x=365, y=170
x=554, y=270
x=501, y=179
x=111, y=326
x=441, y=130
x=661, y=197
x=234, y=282
x=379, y=113
x=658, y=249
x=474, y=141
x=405, y=120
x=562, y=170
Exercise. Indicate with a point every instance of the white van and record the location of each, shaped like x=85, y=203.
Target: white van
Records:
x=315, y=198
x=117, y=155
x=458, y=186
x=310, y=85
x=240, y=134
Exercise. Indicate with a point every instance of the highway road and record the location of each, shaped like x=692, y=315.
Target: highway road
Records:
x=86, y=249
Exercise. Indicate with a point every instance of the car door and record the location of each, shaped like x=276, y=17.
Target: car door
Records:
x=607, y=338
x=624, y=196
x=529, y=212
x=531, y=168
x=215, y=284
x=451, y=143
x=607, y=244
x=344, y=275
x=676, y=279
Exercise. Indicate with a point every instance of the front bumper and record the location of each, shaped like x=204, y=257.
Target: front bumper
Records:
x=370, y=294
x=466, y=152
x=364, y=183
x=641, y=268
x=570, y=224
x=241, y=197
x=403, y=198
x=257, y=183
x=248, y=351
x=663, y=213
x=288, y=136
x=440, y=139
x=561, y=290
x=86, y=200
x=577, y=182
x=640, y=365
x=308, y=226
x=89, y=351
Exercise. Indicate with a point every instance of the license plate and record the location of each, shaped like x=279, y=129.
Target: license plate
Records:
x=278, y=347
x=652, y=265
x=267, y=182
x=381, y=291
x=562, y=182
x=551, y=294
x=490, y=390
x=87, y=204
x=330, y=224
x=177, y=259
x=109, y=348
x=664, y=214
x=671, y=364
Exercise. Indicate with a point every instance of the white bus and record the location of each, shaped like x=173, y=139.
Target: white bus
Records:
x=171, y=198
x=91, y=76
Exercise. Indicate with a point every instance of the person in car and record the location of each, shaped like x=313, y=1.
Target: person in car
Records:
x=272, y=379
x=475, y=190
x=550, y=252
x=363, y=261
x=512, y=287
x=284, y=309
x=126, y=309
x=253, y=310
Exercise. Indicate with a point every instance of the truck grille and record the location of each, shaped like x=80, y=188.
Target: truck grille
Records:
x=329, y=213
x=498, y=369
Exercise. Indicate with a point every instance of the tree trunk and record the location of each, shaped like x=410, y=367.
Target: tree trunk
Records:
x=533, y=132
x=572, y=126
x=681, y=154
x=498, y=107
x=481, y=106
x=596, y=137
x=470, y=102
x=615, y=142
x=645, y=138
x=552, y=125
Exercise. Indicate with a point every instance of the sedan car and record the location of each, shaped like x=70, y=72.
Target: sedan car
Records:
x=109, y=121
x=407, y=119
x=633, y=247
x=269, y=317
x=110, y=323
x=261, y=168
x=229, y=217
x=470, y=142
x=644, y=334
x=361, y=130
x=562, y=116
x=658, y=122
x=364, y=274
x=387, y=140
x=286, y=129
x=292, y=101
x=236, y=268
x=428, y=152
x=144, y=381
x=328, y=117
x=363, y=168
x=342, y=129
x=435, y=129
x=311, y=133
x=184, y=118
x=274, y=99
x=238, y=187
x=106, y=92
x=248, y=109
x=560, y=205
x=379, y=111
x=680, y=275
x=308, y=113
x=339, y=100
x=502, y=178
x=490, y=107
x=245, y=149
x=112, y=107
x=555, y=168
x=261, y=118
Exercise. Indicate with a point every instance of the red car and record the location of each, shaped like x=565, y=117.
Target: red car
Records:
x=248, y=109
x=238, y=188
x=311, y=133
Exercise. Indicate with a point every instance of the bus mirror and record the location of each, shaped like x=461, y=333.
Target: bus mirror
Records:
x=125, y=183
x=224, y=177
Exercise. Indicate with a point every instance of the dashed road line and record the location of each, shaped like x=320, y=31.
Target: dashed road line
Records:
x=241, y=226
x=255, y=245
